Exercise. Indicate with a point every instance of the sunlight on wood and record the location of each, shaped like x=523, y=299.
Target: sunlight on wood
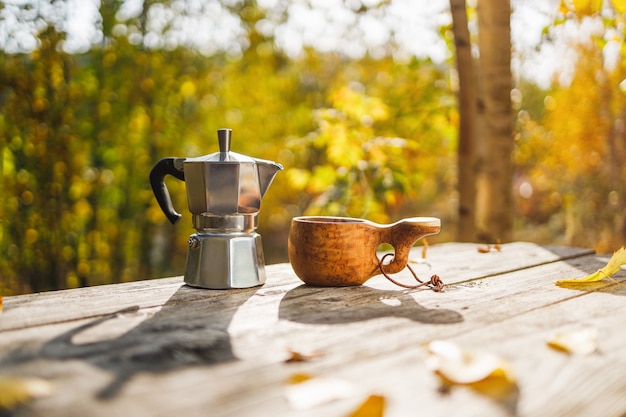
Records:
x=304, y=391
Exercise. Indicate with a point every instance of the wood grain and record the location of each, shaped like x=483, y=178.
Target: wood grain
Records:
x=160, y=348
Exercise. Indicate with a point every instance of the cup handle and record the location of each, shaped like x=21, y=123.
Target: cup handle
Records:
x=404, y=234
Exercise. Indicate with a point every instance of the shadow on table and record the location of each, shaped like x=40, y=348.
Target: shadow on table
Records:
x=337, y=305
x=190, y=329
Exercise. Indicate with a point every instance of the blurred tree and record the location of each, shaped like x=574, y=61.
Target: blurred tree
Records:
x=486, y=130
x=494, y=185
x=468, y=112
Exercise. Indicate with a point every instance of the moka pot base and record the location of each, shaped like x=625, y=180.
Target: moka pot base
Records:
x=225, y=252
x=225, y=260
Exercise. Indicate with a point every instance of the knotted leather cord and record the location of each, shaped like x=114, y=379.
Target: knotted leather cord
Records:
x=435, y=282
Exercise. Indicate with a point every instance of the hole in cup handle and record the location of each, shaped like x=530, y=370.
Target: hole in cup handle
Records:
x=385, y=249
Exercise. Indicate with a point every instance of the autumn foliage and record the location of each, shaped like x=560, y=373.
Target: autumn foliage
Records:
x=370, y=137
x=571, y=145
x=80, y=132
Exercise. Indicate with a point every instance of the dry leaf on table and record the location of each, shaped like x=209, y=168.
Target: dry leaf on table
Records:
x=19, y=390
x=613, y=266
x=483, y=371
x=373, y=406
x=488, y=248
x=578, y=342
x=295, y=356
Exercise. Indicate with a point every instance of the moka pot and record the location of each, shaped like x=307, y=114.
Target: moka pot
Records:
x=224, y=192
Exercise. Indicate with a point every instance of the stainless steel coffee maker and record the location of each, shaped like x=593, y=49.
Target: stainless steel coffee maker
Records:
x=224, y=192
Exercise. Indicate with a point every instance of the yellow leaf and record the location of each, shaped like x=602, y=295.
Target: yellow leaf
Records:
x=620, y=6
x=18, y=390
x=301, y=357
x=481, y=371
x=580, y=342
x=613, y=266
x=298, y=378
x=373, y=406
x=298, y=178
x=461, y=366
x=187, y=89
x=587, y=7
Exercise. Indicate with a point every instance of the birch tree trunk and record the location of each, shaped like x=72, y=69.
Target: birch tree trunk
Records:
x=494, y=185
x=467, y=102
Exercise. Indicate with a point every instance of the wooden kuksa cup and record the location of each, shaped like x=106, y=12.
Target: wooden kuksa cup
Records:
x=341, y=251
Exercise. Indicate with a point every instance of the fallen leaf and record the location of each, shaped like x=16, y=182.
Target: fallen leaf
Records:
x=488, y=248
x=298, y=378
x=373, y=406
x=464, y=366
x=19, y=390
x=579, y=342
x=482, y=371
x=613, y=266
x=304, y=391
x=301, y=357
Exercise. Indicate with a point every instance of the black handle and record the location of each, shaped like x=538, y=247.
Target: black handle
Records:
x=157, y=175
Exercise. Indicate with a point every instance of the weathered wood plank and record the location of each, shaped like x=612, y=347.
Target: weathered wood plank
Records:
x=520, y=336
x=458, y=262
x=225, y=355
x=454, y=262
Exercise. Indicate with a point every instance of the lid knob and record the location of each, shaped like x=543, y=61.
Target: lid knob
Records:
x=223, y=137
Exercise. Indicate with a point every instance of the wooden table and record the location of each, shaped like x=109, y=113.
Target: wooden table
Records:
x=160, y=348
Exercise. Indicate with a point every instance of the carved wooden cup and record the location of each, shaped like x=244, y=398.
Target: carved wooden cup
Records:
x=341, y=251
